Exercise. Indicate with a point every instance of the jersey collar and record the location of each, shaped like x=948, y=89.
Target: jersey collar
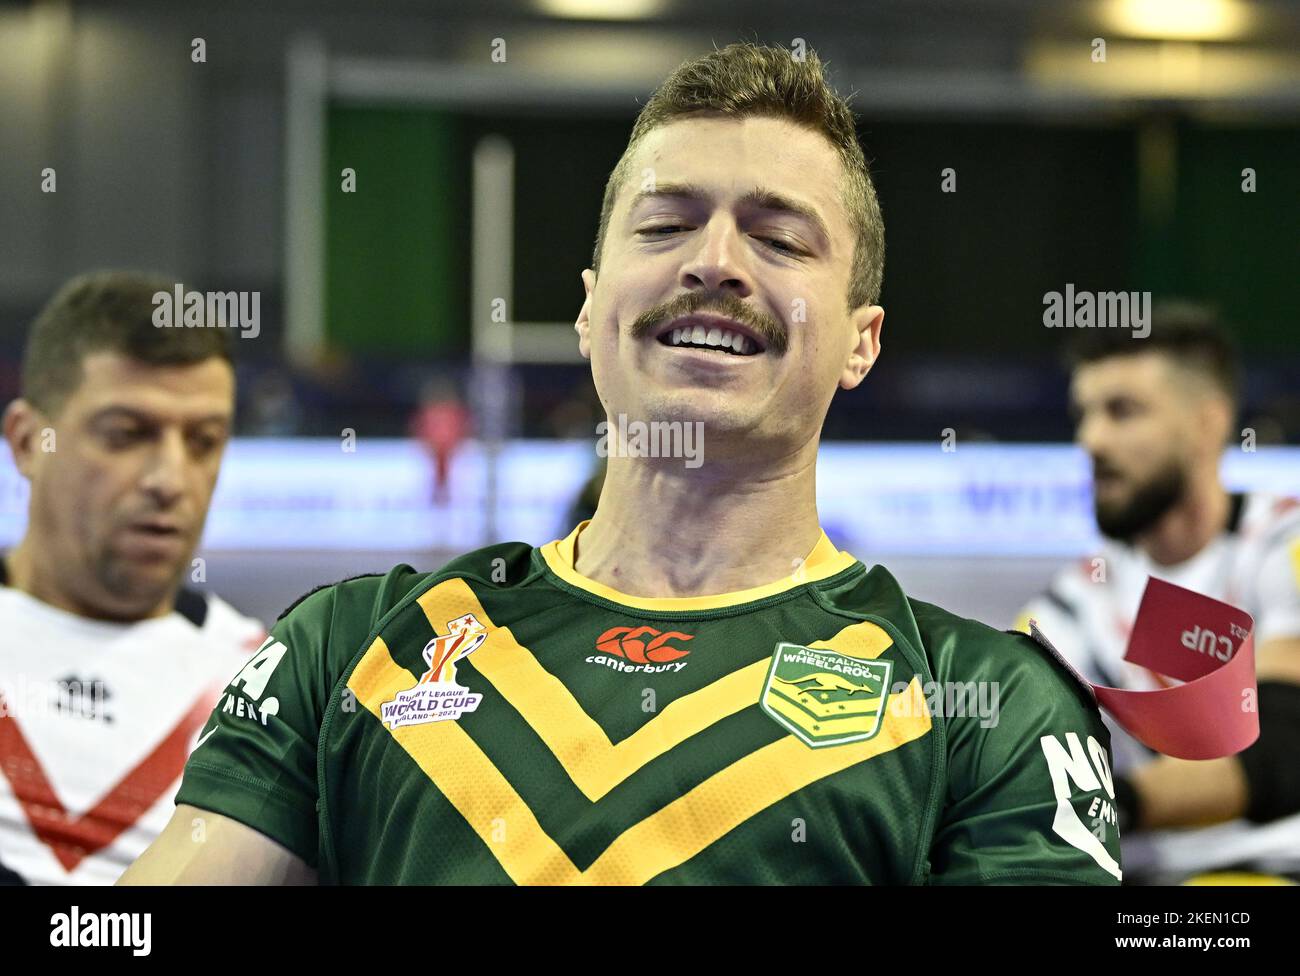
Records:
x=824, y=561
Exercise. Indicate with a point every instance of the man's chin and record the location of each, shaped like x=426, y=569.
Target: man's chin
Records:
x=709, y=407
x=1113, y=525
x=1125, y=522
x=138, y=590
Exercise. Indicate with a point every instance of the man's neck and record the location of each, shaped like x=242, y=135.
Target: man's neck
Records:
x=665, y=530
x=1189, y=526
x=29, y=575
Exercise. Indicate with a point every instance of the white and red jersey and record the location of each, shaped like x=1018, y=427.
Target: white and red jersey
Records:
x=96, y=722
x=1088, y=613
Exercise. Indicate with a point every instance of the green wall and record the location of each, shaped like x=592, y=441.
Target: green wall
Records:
x=397, y=258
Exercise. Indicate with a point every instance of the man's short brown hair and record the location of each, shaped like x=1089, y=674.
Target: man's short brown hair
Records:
x=744, y=80
x=106, y=311
x=1189, y=334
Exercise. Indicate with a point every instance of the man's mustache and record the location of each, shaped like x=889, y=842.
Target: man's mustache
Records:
x=772, y=332
x=1104, y=469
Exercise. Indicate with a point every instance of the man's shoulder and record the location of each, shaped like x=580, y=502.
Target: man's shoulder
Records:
x=957, y=648
x=1084, y=578
x=224, y=625
x=370, y=597
x=1267, y=517
x=962, y=649
x=362, y=591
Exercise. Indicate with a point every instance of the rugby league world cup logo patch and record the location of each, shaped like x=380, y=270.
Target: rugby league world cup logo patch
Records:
x=437, y=696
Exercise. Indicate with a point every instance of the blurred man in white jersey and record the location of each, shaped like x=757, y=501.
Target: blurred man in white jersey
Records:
x=108, y=666
x=1154, y=415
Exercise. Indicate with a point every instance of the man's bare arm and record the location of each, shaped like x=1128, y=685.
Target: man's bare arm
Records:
x=1186, y=793
x=199, y=847
x=1279, y=660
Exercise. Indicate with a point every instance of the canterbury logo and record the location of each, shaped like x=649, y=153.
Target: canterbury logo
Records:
x=631, y=643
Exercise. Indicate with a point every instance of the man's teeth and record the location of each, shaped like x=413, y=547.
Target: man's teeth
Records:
x=700, y=336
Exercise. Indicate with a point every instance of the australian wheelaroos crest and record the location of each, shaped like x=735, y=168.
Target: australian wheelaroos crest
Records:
x=437, y=696
x=824, y=697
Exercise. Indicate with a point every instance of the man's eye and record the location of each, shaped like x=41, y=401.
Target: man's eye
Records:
x=784, y=246
x=1122, y=410
x=205, y=443
x=122, y=436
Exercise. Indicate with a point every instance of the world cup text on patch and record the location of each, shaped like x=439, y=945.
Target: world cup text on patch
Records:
x=437, y=696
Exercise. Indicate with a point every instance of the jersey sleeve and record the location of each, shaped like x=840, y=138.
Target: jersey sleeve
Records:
x=1030, y=795
x=256, y=758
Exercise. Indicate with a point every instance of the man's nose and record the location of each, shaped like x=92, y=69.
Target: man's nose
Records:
x=165, y=477
x=719, y=260
x=1091, y=435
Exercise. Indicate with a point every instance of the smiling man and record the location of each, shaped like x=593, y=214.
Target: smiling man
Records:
x=108, y=666
x=695, y=686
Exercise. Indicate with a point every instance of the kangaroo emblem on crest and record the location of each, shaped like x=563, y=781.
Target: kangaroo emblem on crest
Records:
x=825, y=681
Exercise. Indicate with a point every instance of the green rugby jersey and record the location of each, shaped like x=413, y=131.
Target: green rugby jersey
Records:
x=506, y=720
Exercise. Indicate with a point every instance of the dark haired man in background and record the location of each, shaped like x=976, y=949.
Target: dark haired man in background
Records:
x=1154, y=416
x=108, y=666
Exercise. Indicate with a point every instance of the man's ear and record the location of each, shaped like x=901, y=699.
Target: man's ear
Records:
x=22, y=424
x=1217, y=418
x=867, y=322
x=583, y=325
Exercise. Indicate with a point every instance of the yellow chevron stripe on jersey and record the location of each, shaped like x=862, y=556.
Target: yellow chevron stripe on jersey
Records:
x=580, y=745
x=469, y=780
